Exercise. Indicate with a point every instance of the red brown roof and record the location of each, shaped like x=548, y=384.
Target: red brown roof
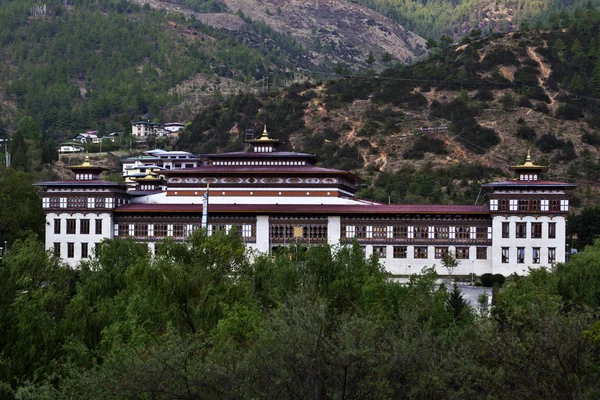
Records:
x=305, y=209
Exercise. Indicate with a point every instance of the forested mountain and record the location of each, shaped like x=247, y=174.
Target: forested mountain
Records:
x=77, y=64
x=455, y=18
x=96, y=64
x=430, y=132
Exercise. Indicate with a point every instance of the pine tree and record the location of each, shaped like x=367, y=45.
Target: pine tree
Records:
x=18, y=152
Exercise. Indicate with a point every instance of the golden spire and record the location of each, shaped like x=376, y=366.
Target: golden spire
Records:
x=86, y=162
x=529, y=164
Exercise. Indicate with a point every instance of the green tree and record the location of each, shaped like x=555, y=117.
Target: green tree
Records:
x=370, y=58
x=21, y=210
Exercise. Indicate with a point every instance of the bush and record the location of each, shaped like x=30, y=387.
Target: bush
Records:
x=484, y=95
x=424, y=145
x=592, y=138
x=542, y=107
x=499, y=279
x=568, y=112
x=487, y=280
x=526, y=133
x=524, y=102
x=473, y=136
x=548, y=142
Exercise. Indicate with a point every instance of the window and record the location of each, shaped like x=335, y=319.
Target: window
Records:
x=400, y=232
x=514, y=204
x=100, y=202
x=534, y=205
x=84, y=250
x=482, y=253
x=361, y=232
x=462, y=253
x=481, y=232
x=160, y=230
x=140, y=230
x=536, y=230
x=564, y=205
x=535, y=256
x=77, y=202
x=57, y=226
x=420, y=252
x=178, y=230
x=441, y=252
x=379, y=251
x=521, y=230
x=57, y=249
x=520, y=255
x=505, y=230
x=379, y=232
x=123, y=230
x=544, y=205
x=462, y=232
x=421, y=232
x=523, y=205
x=441, y=232
x=98, y=227
x=71, y=226
x=70, y=250
x=399, y=251
x=503, y=205
x=494, y=205
x=551, y=255
x=505, y=255
x=551, y=230
x=84, y=227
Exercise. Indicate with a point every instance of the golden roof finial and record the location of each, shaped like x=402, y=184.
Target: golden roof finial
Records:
x=265, y=134
x=86, y=162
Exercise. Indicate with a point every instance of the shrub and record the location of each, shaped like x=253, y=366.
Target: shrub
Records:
x=499, y=279
x=526, y=133
x=484, y=95
x=487, y=280
x=568, y=112
x=548, y=142
x=524, y=102
x=541, y=107
x=424, y=145
x=592, y=138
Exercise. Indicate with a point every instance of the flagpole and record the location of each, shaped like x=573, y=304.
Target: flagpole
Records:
x=205, y=208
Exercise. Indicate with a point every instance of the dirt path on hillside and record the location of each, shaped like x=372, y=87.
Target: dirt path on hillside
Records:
x=544, y=68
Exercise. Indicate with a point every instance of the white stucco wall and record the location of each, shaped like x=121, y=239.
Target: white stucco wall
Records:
x=512, y=243
x=63, y=238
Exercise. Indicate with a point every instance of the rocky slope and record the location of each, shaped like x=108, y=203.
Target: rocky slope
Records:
x=333, y=30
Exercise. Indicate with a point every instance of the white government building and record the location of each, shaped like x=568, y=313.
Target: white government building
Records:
x=276, y=198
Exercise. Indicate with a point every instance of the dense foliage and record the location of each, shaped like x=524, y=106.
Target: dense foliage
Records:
x=202, y=320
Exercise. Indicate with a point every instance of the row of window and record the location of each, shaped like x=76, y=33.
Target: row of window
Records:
x=416, y=232
x=521, y=230
x=84, y=226
x=161, y=230
x=422, y=252
x=71, y=250
x=529, y=205
x=82, y=202
x=290, y=233
x=535, y=255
